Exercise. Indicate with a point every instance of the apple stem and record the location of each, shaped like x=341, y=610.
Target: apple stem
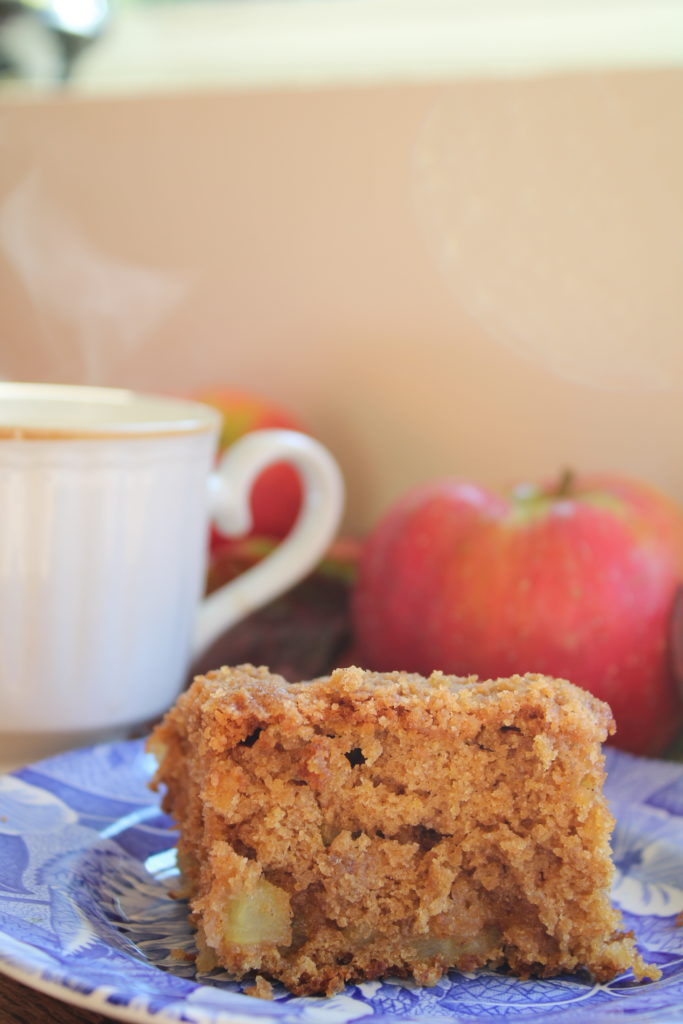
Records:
x=565, y=485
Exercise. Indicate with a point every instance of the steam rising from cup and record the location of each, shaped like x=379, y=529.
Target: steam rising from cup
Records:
x=84, y=298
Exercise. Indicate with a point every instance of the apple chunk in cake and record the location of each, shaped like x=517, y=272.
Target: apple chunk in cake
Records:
x=363, y=824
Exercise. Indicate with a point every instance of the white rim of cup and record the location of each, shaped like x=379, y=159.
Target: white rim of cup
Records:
x=38, y=411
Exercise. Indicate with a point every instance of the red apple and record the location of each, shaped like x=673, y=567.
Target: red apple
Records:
x=576, y=581
x=276, y=495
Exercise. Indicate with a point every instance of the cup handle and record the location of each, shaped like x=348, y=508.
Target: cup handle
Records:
x=303, y=547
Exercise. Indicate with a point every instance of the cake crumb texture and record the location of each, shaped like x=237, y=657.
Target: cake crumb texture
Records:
x=364, y=825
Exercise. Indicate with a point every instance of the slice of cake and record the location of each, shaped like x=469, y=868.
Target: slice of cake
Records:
x=364, y=825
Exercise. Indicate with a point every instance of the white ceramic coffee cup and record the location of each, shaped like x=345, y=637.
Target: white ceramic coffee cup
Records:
x=105, y=500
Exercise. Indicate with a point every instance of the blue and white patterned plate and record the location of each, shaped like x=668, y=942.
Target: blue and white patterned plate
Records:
x=86, y=859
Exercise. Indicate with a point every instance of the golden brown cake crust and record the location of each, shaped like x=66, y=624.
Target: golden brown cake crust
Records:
x=365, y=824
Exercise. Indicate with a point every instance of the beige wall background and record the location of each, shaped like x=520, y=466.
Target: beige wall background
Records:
x=481, y=279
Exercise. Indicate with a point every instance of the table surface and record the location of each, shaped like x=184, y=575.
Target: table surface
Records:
x=22, y=1005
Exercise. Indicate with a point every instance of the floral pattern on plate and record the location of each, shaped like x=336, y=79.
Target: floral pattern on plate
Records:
x=87, y=860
